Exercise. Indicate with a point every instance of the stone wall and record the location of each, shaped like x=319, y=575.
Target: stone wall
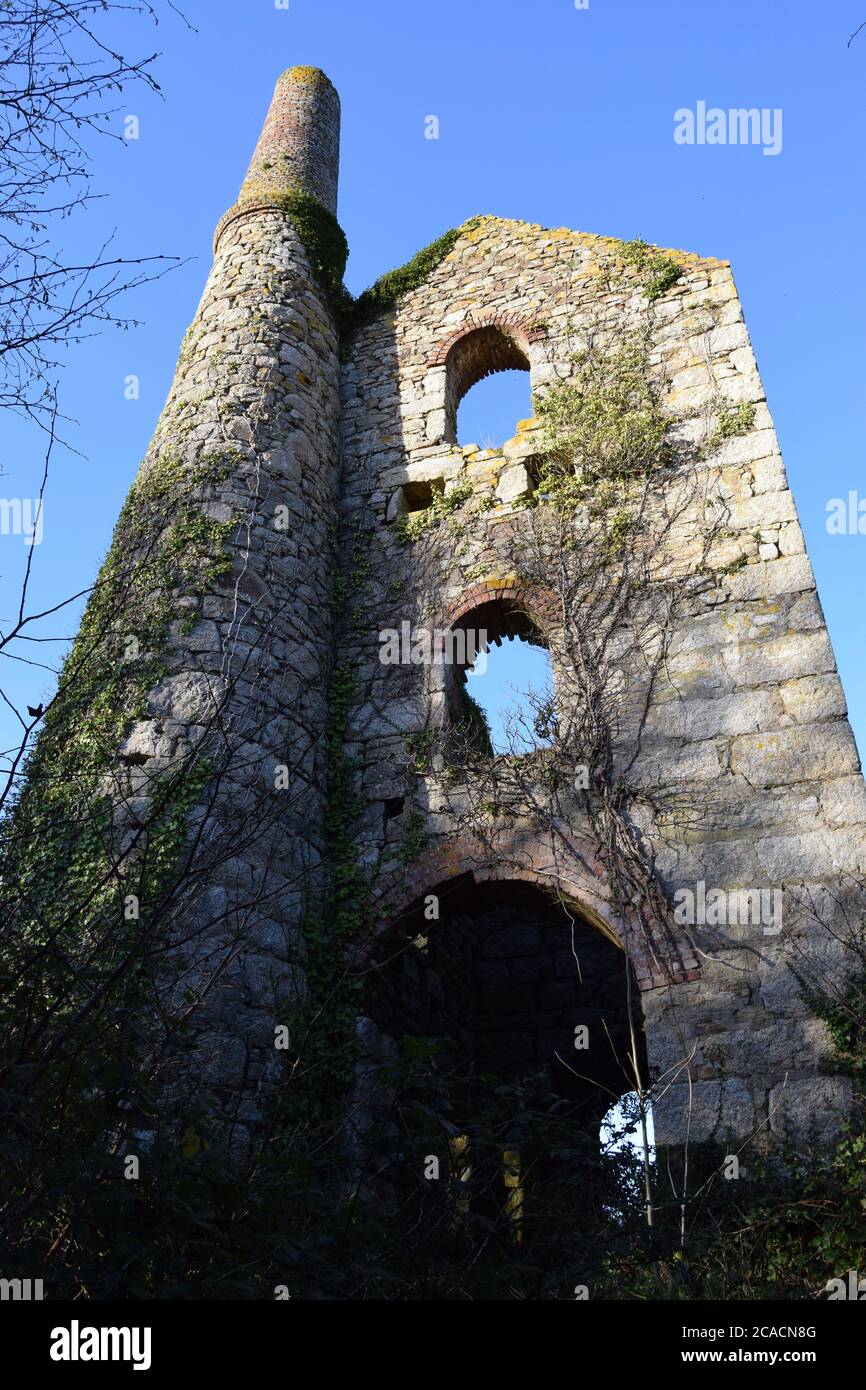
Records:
x=749, y=717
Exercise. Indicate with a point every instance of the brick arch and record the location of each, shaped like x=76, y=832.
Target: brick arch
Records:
x=573, y=873
x=514, y=326
x=481, y=346
x=539, y=605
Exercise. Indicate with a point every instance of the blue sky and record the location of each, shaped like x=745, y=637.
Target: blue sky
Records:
x=549, y=113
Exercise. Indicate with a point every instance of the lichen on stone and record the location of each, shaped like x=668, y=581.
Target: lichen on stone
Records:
x=311, y=75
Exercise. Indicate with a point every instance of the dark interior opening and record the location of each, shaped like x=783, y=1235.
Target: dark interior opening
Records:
x=505, y=982
x=420, y=495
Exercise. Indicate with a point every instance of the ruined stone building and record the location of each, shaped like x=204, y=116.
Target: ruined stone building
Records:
x=313, y=444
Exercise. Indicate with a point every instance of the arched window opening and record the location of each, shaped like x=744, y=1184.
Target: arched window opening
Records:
x=503, y=691
x=511, y=1013
x=485, y=353
x=491, y=409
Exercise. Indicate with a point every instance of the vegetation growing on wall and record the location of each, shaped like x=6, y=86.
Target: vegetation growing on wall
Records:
x=657, y=272
x=474, y=724
x=604, y=435
x=325, y=243
x=334, y=926
x=409, y=528
x=324, y=1055
x=327, y=248
x=733, y=420
x=394, y=284
x=160, y=559
x=89, y=863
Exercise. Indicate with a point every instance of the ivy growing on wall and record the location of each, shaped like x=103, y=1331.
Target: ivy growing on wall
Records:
x=338, y=915
x=157, y=562
x=394, y=284
x=325, y=243
x=733, y=420
x=327, y=250
x=69, y=869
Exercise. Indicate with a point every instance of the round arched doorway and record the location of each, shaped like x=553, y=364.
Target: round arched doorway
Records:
x=523, y=1024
